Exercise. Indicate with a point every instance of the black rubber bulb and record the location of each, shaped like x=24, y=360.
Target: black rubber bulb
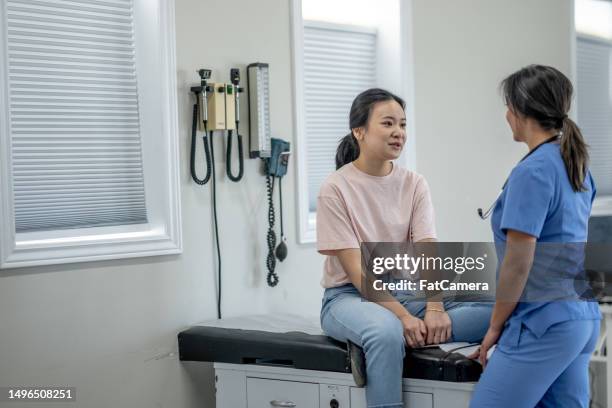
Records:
x=281, y=250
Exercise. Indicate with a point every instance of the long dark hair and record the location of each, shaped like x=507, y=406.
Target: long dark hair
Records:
x=348, y=149
x=545, y=94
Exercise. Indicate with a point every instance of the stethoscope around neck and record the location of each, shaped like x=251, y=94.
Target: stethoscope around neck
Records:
x=486, y=214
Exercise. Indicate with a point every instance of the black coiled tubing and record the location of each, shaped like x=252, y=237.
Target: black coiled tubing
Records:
x=228, y=158
x=272, y=277
x=194, y=128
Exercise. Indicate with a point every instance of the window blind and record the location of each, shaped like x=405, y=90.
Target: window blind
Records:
x=594, y=91
x=73, y=110
x=339, y=63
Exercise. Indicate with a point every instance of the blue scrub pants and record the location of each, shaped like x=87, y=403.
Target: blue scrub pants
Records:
x=346, y=316
x=549, y=371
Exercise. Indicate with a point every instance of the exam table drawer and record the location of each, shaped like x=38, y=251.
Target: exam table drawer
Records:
x=418, y=400
x=263, y=393
x=411, y=399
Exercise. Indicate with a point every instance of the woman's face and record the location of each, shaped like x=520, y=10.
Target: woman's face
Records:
x=385, y=135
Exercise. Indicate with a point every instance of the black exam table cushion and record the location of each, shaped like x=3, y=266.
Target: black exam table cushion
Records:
x=311, y=352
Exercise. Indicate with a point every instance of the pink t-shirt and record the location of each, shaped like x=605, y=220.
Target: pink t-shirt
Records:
x=355, y=207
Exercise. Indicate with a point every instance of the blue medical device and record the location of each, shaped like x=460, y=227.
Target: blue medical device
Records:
x=279, y=158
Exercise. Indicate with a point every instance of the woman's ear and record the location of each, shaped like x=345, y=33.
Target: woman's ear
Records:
x=359, y=133
x=514, y=120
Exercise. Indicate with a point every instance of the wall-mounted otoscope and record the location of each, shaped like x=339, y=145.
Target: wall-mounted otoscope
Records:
x=200, y=111
x=205, y=108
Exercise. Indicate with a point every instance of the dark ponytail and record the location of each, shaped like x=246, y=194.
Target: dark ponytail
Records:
x=348, y=149
x=544, y=94
x=574, y=153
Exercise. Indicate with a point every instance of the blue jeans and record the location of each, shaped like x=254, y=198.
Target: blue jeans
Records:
x=345, y=315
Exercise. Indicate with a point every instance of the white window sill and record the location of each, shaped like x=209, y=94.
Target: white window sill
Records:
x=91, y=244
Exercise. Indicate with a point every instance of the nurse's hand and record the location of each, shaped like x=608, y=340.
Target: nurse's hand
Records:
x=438, y=326
x=489, y=341
x=414, y=331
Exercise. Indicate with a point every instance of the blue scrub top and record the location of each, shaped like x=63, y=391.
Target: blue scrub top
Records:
x=538, y=200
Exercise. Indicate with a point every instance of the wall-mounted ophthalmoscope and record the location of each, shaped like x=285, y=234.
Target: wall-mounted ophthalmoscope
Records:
x=235, y=83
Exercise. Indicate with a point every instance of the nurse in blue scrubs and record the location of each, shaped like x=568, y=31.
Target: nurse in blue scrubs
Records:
x=544, y=337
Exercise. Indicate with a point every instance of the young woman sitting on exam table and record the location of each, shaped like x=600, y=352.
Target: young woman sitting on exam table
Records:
x=371, y=199
x=543, y=347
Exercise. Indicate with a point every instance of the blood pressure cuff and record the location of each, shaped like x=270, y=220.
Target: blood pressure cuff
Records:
x=310, y=352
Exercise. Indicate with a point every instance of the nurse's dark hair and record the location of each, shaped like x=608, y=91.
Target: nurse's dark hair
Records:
x=361, y=109
x=544, y=94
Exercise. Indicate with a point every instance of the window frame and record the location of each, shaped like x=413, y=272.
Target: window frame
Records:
x=154, y=25
x=602, y=205
x=306, y=219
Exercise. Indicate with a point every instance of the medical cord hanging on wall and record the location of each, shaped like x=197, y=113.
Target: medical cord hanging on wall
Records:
x=216, y=109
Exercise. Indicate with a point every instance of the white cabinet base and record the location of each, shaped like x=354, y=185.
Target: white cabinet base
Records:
x=256, y=386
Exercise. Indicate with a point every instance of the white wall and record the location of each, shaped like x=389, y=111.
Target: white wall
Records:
x=462, y=50
x=109, y=328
